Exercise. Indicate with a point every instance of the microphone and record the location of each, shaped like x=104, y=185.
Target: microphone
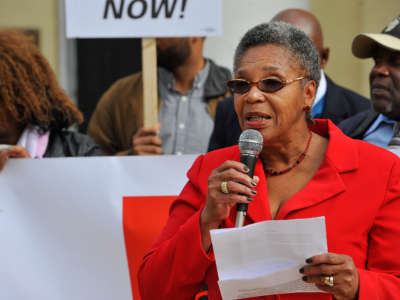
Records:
x=250, y=145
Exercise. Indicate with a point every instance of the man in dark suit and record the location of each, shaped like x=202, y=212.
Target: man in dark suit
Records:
x=376, y=125
x=331, y=102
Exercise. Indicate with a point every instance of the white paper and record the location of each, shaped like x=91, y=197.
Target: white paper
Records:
x=61, y=231
x=143, y=18
x=395, y=150
x=264, y=258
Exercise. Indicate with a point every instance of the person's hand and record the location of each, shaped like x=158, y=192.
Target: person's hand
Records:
x=13, y=152
x=239, y=189
x=341, y=267
x=147, y=142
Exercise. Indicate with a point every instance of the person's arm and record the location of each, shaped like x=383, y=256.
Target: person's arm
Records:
x=176, y=265
x=380, y=277
x=101, y=126
x=381, y=280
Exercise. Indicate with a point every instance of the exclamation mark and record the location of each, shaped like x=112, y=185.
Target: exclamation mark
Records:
x=183, y=8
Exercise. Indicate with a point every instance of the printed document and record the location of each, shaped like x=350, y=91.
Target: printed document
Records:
x=264, y=258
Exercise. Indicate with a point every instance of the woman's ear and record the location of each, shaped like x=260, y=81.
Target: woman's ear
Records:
x=310, y=90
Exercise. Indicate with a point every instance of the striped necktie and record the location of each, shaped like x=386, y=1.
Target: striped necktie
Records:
x=395, y=141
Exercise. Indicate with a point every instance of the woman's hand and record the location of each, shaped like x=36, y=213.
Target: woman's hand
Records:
x=13, y=152
x=341, y=267
x=240, y=189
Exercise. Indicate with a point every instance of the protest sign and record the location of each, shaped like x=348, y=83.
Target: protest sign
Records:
x=143, y=18
x=70, y=227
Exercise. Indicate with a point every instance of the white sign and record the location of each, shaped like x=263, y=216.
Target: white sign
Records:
x=143, y=18
x=61, y=231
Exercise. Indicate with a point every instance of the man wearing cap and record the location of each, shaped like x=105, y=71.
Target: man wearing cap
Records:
x=376, y=125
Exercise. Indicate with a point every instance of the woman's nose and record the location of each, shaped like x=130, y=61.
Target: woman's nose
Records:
x=254, y=94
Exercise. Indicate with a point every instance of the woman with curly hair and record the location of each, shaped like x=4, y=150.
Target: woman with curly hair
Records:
x=34, y=111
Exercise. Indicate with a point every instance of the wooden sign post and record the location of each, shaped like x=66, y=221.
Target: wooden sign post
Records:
x=150, y=89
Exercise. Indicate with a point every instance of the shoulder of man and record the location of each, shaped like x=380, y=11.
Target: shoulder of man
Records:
x=218, y=76
x=357, y=125
x=122, y=88
x=357, y=102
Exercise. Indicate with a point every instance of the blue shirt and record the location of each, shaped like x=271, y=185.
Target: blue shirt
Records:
x=319, y=101
x=380, y=132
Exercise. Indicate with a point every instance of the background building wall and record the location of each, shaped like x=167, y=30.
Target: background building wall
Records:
x=341, y=21
x=238, y=16
x=34, y=14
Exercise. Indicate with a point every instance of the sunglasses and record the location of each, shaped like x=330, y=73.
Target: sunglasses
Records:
x=267, y=85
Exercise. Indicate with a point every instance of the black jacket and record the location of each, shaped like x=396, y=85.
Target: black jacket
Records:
x=340, y=103
x=67, y=143
x=356, y=126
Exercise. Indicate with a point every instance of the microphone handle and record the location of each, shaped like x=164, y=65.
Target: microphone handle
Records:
x=250, y=161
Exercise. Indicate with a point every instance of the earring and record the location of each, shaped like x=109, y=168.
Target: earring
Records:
x=306, y=108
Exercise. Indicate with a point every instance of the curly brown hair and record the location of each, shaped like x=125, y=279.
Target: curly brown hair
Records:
x=29, y=91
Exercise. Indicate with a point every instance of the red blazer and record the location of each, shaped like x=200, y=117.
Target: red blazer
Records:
x=356, y=188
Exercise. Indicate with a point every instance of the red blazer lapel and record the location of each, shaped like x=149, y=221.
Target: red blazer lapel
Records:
x=259, y=208
x=325, y=184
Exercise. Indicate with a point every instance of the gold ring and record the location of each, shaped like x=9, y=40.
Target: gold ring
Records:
x=224, y=187
x=328, y=280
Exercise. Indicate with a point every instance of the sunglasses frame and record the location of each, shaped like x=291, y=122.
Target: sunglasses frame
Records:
x=256, y=83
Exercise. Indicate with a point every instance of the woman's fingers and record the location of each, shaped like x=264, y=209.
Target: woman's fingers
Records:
x=18, y=152
x=13, y=152
x=334, y=273
x=326, y=258
x=234, y=188
x=233, y=171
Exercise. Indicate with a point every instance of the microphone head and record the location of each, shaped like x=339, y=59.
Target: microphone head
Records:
x=250, y=142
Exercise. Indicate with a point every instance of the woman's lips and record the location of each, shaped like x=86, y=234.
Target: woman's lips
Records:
x=257, y=121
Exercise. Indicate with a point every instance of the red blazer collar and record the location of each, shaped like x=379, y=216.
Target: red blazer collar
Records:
x=341, y=156
x=342, y=151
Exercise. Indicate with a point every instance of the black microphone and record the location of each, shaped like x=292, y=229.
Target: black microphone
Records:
x=250, y=145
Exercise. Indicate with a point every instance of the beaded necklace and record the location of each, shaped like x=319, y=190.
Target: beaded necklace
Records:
x=297, y=162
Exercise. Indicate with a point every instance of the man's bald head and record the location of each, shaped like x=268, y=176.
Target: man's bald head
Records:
x=307, y=22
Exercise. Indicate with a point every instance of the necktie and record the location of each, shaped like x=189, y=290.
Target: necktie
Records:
x=394, y=144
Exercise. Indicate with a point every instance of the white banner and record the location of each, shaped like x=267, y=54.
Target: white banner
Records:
x=61, y=228
x=143, y=18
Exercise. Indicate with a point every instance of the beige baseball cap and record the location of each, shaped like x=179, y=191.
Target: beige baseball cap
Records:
x=365, y=43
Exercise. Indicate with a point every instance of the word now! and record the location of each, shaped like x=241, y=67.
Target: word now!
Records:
x=136, y=9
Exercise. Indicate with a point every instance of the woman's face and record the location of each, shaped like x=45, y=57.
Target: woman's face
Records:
x=277, y=113
x=10, y=129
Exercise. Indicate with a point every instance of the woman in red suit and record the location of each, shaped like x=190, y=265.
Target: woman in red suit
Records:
x=305, y=169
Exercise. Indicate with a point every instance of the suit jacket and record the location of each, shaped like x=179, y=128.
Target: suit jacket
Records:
x=119, y=113
x=361, y=209
x=356, y=126
x=340, y=103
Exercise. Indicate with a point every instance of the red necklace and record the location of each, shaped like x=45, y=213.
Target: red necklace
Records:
x=297, y=162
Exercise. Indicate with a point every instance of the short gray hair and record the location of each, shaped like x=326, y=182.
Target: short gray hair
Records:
x=287, y=36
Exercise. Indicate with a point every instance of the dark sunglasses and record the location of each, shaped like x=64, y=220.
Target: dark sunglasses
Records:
x=267, y=85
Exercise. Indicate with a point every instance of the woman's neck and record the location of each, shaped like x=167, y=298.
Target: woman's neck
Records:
x=286, y=152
